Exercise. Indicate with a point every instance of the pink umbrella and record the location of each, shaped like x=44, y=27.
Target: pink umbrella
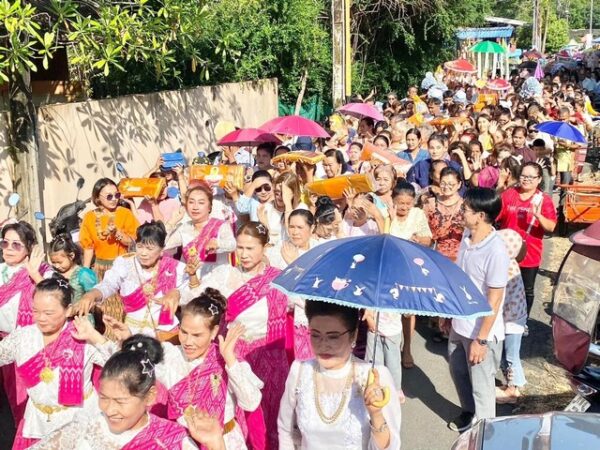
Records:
x=460, y=66
x=497, y=84
x=294, y=126
x=247, y=137
x=539, y=73
x=361, y=110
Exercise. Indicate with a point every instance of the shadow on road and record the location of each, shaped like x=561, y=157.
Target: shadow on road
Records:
x=416, y=384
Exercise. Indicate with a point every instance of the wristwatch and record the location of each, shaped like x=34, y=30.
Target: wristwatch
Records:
x=482, y=342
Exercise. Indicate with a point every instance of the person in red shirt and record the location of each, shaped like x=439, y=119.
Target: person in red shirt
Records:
x=530, y=212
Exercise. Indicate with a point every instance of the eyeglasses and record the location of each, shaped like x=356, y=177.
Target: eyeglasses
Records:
x=329, y=338
x=448, y=185
x=110, y=197
x=264, y=187
x=532, y=131
x=528, y=177
x=15, y=245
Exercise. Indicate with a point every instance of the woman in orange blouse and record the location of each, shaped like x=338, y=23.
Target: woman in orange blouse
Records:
x=106, y=232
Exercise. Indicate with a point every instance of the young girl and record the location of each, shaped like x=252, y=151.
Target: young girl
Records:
x=127, y=390
x=65, y=257
x=54, y=362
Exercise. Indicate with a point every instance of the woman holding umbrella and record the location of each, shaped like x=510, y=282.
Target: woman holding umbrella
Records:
x=329, y=398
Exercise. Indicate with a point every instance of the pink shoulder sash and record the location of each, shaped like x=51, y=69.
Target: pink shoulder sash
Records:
x=67, y=353
x=158, y=434
x=210, y=231
x=250, y=293
x=166, y=281
x=21, y=283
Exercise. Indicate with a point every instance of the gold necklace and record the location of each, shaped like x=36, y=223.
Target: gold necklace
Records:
x=47, y=375
x=338, y=412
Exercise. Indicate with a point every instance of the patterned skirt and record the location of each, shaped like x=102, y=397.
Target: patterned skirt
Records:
x=112, y=306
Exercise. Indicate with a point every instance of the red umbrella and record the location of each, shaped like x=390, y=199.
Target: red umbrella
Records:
x=497, y=84
x=361, y=110
x=247, y=137
x=460, y=66
x=294, y=126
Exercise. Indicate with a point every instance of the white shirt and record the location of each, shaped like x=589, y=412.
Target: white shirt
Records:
x=91, y=432
x=24, y=343
x=10, y=310
x=351, y=431
x=487, y=264
x=243, y=388
x=186, y=233
x=228, y=279
x=126, y=275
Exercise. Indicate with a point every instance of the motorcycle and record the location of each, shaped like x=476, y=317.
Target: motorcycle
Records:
x=575, y=318
x=67, y=219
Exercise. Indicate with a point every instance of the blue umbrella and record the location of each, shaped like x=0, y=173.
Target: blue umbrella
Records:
x=384, y=273
x=562, y=130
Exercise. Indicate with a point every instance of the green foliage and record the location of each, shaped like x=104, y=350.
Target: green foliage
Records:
x=397, y=46
x=558, y=34
x=579, y=14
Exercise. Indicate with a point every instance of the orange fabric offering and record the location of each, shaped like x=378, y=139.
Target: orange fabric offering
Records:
x=141, y=187
x=220, y=174
x=334, y=187
x=95, y=223
x=303, y=156
x=371, y=152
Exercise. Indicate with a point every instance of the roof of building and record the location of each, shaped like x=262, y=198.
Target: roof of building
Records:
x=485, y=33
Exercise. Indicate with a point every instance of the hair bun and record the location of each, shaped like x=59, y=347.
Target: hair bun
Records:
x=146, y=345
x=216, y=297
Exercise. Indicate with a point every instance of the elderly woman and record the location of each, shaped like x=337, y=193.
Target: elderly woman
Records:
x=150, y=285
x=329, y=400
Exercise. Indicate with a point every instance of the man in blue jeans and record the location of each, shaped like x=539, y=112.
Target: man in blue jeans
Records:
x=475, y=346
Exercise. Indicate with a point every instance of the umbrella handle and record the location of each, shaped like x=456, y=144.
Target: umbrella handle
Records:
x=375, y=343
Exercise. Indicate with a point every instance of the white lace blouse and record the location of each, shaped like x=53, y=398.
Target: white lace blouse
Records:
x=91, y=432
x=10, y=310
x=301, y=427
x=24, y=343
x=126, y=275
x=243, y=389
x=186, y=233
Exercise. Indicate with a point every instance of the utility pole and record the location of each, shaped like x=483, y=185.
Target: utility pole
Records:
x=342, y=54
x=536, y=35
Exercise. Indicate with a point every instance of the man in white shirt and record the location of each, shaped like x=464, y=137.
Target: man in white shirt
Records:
x=475, y=346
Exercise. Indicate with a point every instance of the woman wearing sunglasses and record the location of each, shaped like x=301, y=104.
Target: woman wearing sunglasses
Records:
x=257, y=201
x=21, y=270
x=106, y=233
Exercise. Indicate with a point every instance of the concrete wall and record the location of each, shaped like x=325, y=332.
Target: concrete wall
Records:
x=87, y=139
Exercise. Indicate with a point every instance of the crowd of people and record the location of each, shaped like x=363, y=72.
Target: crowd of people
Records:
x=160, y=328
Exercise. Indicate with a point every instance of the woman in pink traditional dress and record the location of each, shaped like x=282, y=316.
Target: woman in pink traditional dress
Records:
x=300, y=231
x=206, y=375
x=53, y=362
x=203, y=238
x=127, y=390
x=21, y=270
x=151, y=285
x=262, y=310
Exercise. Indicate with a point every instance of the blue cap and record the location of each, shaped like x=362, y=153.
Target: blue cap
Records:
x=303, y=143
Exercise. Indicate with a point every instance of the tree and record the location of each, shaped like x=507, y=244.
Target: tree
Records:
x=397, y=41
x=101, y=36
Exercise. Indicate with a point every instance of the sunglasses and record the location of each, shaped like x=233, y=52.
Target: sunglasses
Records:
x=15, y=245
x=264, y=187
x=110, y=197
